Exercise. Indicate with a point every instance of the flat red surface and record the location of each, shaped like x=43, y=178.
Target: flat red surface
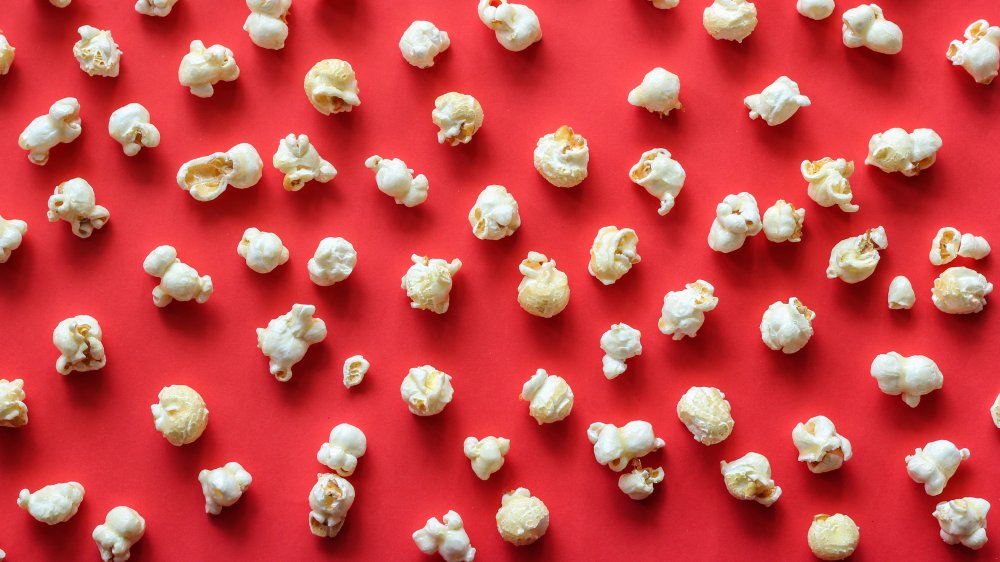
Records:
x=96, y=428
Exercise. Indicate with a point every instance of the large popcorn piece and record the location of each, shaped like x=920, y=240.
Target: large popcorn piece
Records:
x=297, y=158
x=421, y=42
x=426, y=390
x=180, y=415
x=949, y=244
x=544, y=290
x=122, y=528
x=6, y=54
x=705, y=412
x=355, y=369
x=286, y=338
x=659, y=92
x=486, y=454
x=74, y=202
x=684, y=311
x=550, y=399
x=55, y=503
x=178, y=280
x=619, y=343
x=613, y=253
x=732, y=20
x=12, y=231
x=865, y=26
x=97, y=52
x=660, y=175
x=639, y=483
x=205, y=178
x=782, y=222
x=960, y=290
x=895, y=150
x=911, y=377
x=267, y=23
x=979, y=54
x=329, y=501
x=749, y=478
x=787, y=326
x=935, y=464
x=854, y=259
x=13, y=410
x=203, y=67
x=819, y=445
x=522, y=518
x=333, y=262
x=447, y=538
x=397, y=181
x=457, y=116
x=615, y=447
x=833, y=537
x=828, y=182
x=516, y=25
x=60, y=125
x=428, y=282
x=901, y=295
x=263, y=251
x=159, y=8
x=963, y=521
x=562, y=157
x=223, y=486
x=332, y=86
x=736, y=218
x=777, y=102
x=495, y=214
x=130, y=126
x=78, y=339
x=341, y=452
x=815, y=9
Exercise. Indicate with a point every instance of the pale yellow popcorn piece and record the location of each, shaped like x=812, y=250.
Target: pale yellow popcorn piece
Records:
x=737, y=217
x=333, y=262
x=787, y=326
x=97, y=52
x=159, y=8
x=660, y=175
x=329, y=501
x=777, y=102
x=829, y=184
x=820, y=446
x=426, y=390
x=355, y=369
x=912, y=377
x=935, y=464
x=960, y=290
x=458, y=117
x=615, y=447
x=397, y=181
x=53, y=504
x=562, y=157
x=178, y=280
x=901, y=295
x=516, y=25
x=659, y=92
x=544, y=290
x=979, y=54
x=447, y=538
x=620, y=343
x=854, y=259
x=74, y=202
x=486, y=454
x=12, y=232
x=815, y=9
x=343, y=449
x=60, y=125
x=298, y=159
x=782, y=222
x=332, y=86
x=833, y=537
x=895, y=150
x=495, y=214
x=706, y=413
x=866, y=26
x=207, y=177
x=995, y=412
x=665, y=4
x=122, y=528
x=522, y=518
x=180, y=415
x=428, y=283
x=550, y=399
x=203, y=67
x=13, y=410
x=130, y=126
x=223, y=486
x=6, y=54
x=730, y=20
x=749, y=478
x=286, y=339
x=267, y=23
x=949, y=244
x=639, y=483
x=263, y=251
x=963, y=521
x=613, y=254
x=78, y=340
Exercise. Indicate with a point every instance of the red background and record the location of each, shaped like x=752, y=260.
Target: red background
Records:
x=96, y=428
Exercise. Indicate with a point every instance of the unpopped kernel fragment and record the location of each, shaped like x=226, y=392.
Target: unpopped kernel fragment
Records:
x=901, y=295
x=298, y=159
x=562, y=157
x=332, y=87
x=421, y=42
x=731, y=20
x=736, y=218
x=495, y=214
x=749, y=478
x=550, y=399
x=706, y=413
x=78, y=340
x=178, y=280
x=203, y=67
x=55, y=503
x=660, y=175
x=426, y=390
x=516, y=25
x=457, y=116
x=684, y=311
x=782, y=222
x=613, y=254
x=895, y=150
x=544, y=290
x=979, y=54
x=615, y=447
x=180, y=415
x=60, y=125
x=912, y=377
x=263, y=251
x=333, y=262
x=522, y=518
x=267, y=23
x=828, y=182
x=777, y=102
x=820, y=446
x=446, y=538
x=960, y=290
x=619, y=343
x=659, y=92
x=122, y=528
x=97, y=52
x=854, y=259
x=13, y=410
x=343, y=449
x=329, y=501
x=205, y=178
x=355, y=369
x=963, y=521
x=787, y=326
x=833, y=537
x=286, y=338
x=486, y=454
x=223, y=486
x=866, y=26
x=935, y=464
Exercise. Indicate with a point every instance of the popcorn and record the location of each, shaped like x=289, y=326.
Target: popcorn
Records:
x=426, y=390
x=130, y=126
x=960, y=290
x=901, y=293
x=865, y=26
x=329, y=501
x=783, y=222
x=122, y=528
x=911, y=377
x=815, y=9
x=6, y=54
x=286, y=338
x=854, y=259
x=705, y=412
x=486, y=454
x=833, y=537
x=544, y=290
x=562, y=157
x=735, y=218
x=749, y=478
x=615, y=446
x=396, y=180
x=787, y=326
x=458, y=116
x=684, y=311
x=178, y=280
x=421, y=42
x=665, y=4
x=895, y=150
x=74, y=202
x=516, y=25
x=159, y=8
x=203, y=67
x=448, y=539
x=522, y=518
x=979, y=54
x=12, y=231
x=550, y=399
x=613, y=253
x=935, y=464
x=297, y=158
x=332, y=87
x=949, y=244
x=60, y=3
x=428, y=282
x=97, y=52
x=60, y=125
x=994, y=411
x=619, y=343
x=223, y=486
x=660, y=175
x=963, y=521
x=777, y=102
x=659, y=92
x=263, y=251
x=819, y=445
x=495, y=214
x=180, y=415
x=267, y=23
x=333, y=261
x=732, y=20
x=639, y=483
x=828, y=182
x=55, y=503
x=346, y=444
x=13, y=410
x=205, y=178
x=78, y=339
x=355, y=369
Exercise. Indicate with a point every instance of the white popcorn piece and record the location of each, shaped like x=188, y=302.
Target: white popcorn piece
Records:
x=736, y=218
x=895, y=150
x=787, y=326
x=446, y=538
x=343, y=449
x=332, y=87
x=426, y=390
x=820, y=446
x=949, y=244
x=397, y=181
x=522, y=518
x=421, y=42
x=639, y=483
x=516, y=25
x=130, y=126
x=963, y=521
x=777, y=102
x=298, y=159
x=60, y=125
x=55, y=503
x=178, y=280
x=203, y=67
x=122, y=528
x=562, y=157
x=550, y=399
x=13, y=410
x=960, y=290
x=619, y=343
x=159, y=8
x=263, y=251
x=60, y=3
x=749, y=478
x=829, y=184
x=854, y=259
x=730, y=20
x=665, y=4
x=495, y=214
x=457, y=116
x=935, y=464
x=833, y=537
x=486, y=454
x=660, y=175
x=6, y=54
x=613, y=253
x=223, y=486
x=78, y=340
x=205, y=178
x=866, y=26
x=659, y=92
x=97, y=52
x=706, y=413
x=544, y=290
x=12, y=232
x=428, y=282
x=615, y=447
x=782, y=222
x=74, y=202
x=911, y=377
x=901, y=295
x=815, y=9
x=267, y=23
x=355, y=369
x=683, y=312
x=975, y=247
x=329, y=501
x=994, y=411
x=286, y=339
x=333, y=262
x=180, y=415
x=979, y=54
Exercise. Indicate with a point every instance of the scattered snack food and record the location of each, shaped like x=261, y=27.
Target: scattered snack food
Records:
x=659, y=92
x=866, y=26
x=333, y=262
x=516, y=25
x=428, y=283
x=683, y=312
x=421, y=42
x=777, y=102
x=286, y=338
x=97, y=52
x=495, y=214
x=159, y=8
x=355, y=369
x=203, y=67
x=815, y=9
x=397, y=181
x=122, y=528
x=787, y=327
x=205, y=178
x=13, y=410
x=267, y=23
x=263, y=251
x=486, y=454
x=298, y=159
x=457, y=116
x=426, y=390
x=329, y=501
x=619, y=343
x=446, y=538
x=544, y=290
x=178, y=280
x=749, y=478
x=130, y=126
x=332, y=87
x=960, y=290
x=979, y=54
x=78, y=339
x=730, y=20
x=912, y=377
x=736, y=218
x=550, y=399
x=829, y=184
x=820, y=446
x=562, y=157
x=660, y=175
x=901, y=295
x=782, y=222
x=854, y=259
x=343, y=449
x=706, y=413
x=180, y=415
x=833, y=537
x=223, y=486
x=949, y=244
x=60, y=125
x=639, y=483
x=52, y=504
x=613, y=254
x=963, y=521
x=12, y=232
x=615, y=447
x=895, y=150
x=522, y=518
x=935, y=464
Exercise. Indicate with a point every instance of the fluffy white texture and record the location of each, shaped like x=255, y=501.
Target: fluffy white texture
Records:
x=60, y=3
x=639, y=483
x=122, y=528
x=935, y=464
x=833, y=537
x=960, y=290
x=6, y=54
x=203, y=67
x=659, y=92
x=854, y=259
x=749, y=478
x=963, y=521
x=550, y=398
x=782, y=222
x=267, y=23
x=777, y=102
x=683, y=312
x=421, y=42
x=895, y=150
x=820, y=446
x=55, y=503
x=130, y=126
x=660, y=175
x=613, y=253
x=949, y=244
x=397, y=181
x=495, y=214
x=446, y=538
x=205, y=178
x=428, y=282
x=286, y=339
x=544, y=289
x=74, y=201
x=736, y=218
x=97, y=52
x=901, y=295
x=911, y=377
x=298, y=159
x=178, y=280
x=457, y=116
x=159, y=8
x=979, y=54
x=706, y=413
x=355, y=369
x=815, y=9
x=426, y=390
x=13, y=410
x=522, y=518
x=994, y=411
x=516, y=25
x=731, y=20
x=787, y=326
x=562, y=157
x=342, y=450
x=620, y=343
x=486, y=454
x=263, y=251
x=60, y=125
x=665, y=4
x=223, y=486
x=180, y=415
x=332, y=86
x=866, y=26
x=829, y=184
x=12, y=232
x=329, y=501
x=78, y=340
x=615, y=447
x=333, y=262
